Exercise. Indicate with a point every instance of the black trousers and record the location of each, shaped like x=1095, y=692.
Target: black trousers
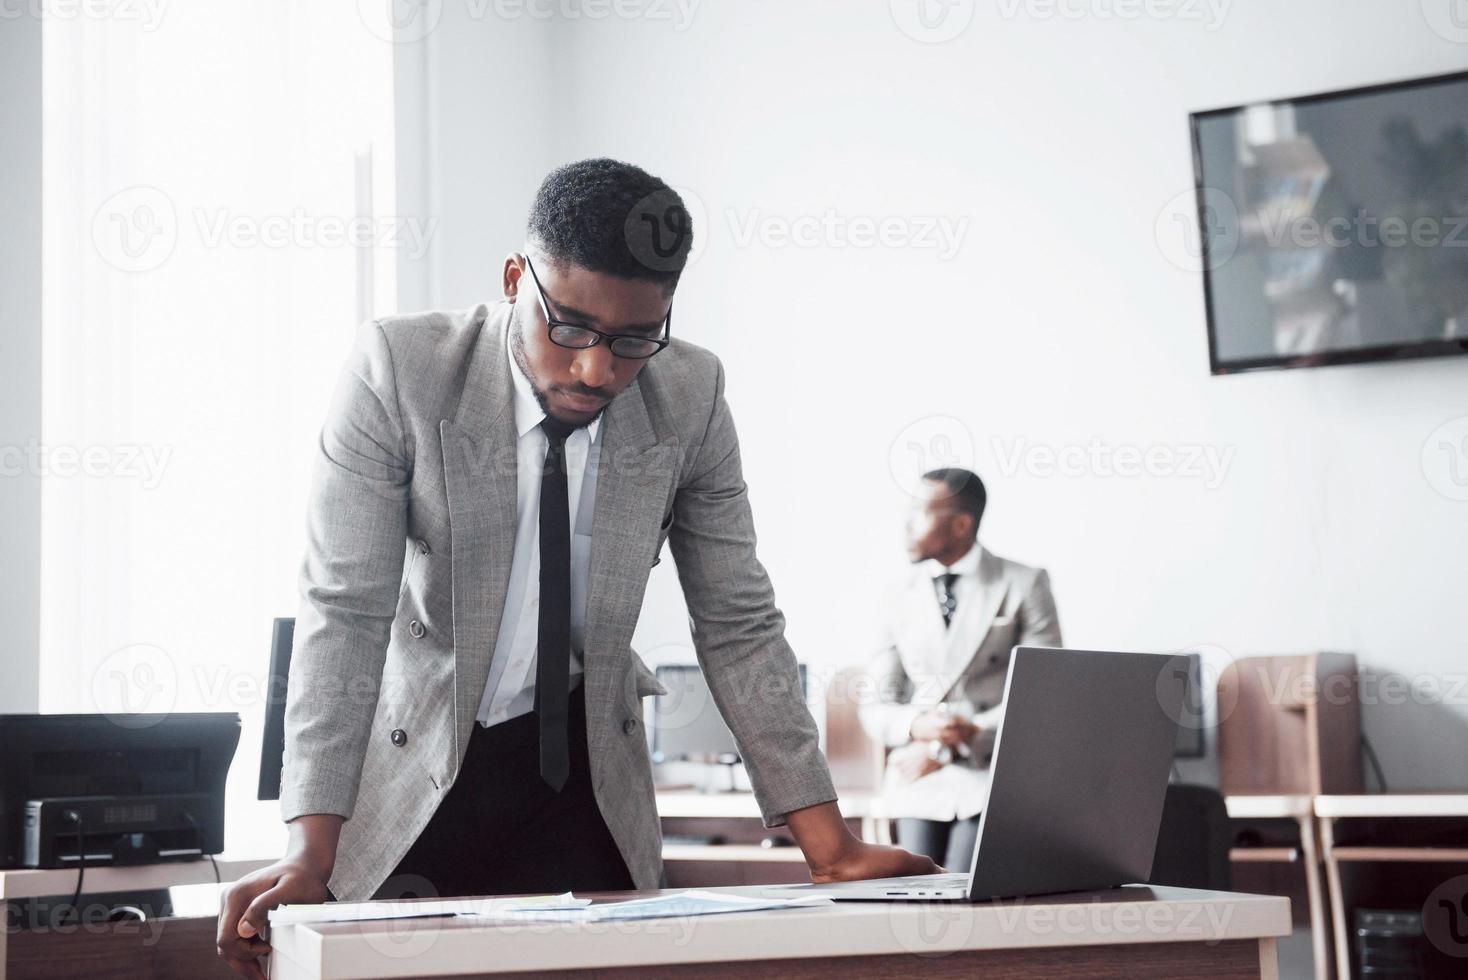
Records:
x=500, y=830
x=948, y=842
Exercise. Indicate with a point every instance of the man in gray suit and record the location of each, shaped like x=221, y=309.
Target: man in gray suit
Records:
x=941, y=666
x=492, y=488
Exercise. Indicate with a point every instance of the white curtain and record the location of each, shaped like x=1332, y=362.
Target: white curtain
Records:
x=217, y=216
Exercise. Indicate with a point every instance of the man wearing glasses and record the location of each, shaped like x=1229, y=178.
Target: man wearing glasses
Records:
x=492, y=488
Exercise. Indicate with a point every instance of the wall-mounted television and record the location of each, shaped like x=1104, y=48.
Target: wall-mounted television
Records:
x=1335, y=226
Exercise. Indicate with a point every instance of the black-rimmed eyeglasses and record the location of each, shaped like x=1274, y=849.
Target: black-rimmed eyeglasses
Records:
x=579, y=337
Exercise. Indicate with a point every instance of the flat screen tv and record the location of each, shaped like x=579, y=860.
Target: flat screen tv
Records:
x=1335, y=226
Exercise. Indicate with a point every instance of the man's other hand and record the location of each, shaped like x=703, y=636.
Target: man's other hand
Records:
x=864, y=860
x=937, y=726
x=912, y=761
x=243, y=926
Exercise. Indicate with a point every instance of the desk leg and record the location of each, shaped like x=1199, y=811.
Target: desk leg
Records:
x=1268, y=959
x=1337, y=898
x=1319, y=923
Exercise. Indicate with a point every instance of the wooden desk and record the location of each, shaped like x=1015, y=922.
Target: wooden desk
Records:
x=21, y=883
x=1299, y=808
x=1125, y=933
x=1331, y=810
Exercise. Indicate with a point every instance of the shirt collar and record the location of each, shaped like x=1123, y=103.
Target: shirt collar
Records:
x=528, y=413
x=965, y=566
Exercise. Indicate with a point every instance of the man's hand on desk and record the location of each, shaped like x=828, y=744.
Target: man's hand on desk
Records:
x=835, y=854
x=937, y=726
x=299, y=878
x=913, y=761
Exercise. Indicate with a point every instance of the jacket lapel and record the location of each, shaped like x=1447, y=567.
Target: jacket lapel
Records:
x=480, y=464
x=973, y=620
x=634, y=475
x=922, y=639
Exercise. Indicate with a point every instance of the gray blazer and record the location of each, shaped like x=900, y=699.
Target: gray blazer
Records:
x=921, y=664
x=411, y=526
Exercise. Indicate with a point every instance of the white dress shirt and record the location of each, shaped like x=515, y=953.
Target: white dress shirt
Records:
x=967, y=570
x=510, y=689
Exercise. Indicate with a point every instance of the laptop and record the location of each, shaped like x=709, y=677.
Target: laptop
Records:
x=1077, y=781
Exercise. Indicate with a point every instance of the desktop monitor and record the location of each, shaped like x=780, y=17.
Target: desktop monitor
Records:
x=272, y=742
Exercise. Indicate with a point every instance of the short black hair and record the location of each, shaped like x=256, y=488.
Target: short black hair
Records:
x=612, y=217
x=965, y=488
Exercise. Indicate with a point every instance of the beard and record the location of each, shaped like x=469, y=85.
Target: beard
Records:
x=517, y=351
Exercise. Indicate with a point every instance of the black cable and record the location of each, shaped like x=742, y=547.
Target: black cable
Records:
x=81, y=867
x=200, y=831
x=1375, y=762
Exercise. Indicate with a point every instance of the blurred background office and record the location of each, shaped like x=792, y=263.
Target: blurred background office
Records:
x=928, y=234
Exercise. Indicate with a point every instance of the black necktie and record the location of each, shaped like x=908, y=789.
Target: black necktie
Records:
x=553, y=644
x=947, y=601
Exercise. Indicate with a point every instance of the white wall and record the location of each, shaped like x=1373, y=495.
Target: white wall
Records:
x=20, y=361
x=1061, y=320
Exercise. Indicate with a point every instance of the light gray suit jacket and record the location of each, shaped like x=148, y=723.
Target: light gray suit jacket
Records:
x=921, y=663
x=411, y=527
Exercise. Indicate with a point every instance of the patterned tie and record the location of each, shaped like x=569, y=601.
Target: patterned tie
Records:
x=947, y=601
x=553, y=647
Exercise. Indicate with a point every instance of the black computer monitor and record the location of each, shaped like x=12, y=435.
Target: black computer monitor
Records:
x=272, y=743
x=1191, y=719
x=686, y=722
x=134, y=770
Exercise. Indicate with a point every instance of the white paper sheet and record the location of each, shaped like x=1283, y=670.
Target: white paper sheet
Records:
x=682, y=904
x=367, y=911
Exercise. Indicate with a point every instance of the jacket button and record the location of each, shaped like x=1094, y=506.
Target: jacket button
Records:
x=422, y=547
x=399, y=737
x=416, y=628
x=629, y=726
x=984, y=706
